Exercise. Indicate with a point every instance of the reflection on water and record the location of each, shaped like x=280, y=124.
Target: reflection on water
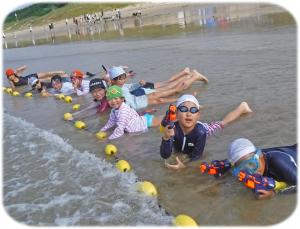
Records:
x=181, y=19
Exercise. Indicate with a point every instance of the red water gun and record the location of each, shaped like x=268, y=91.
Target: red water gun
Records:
x=217, y=167
x=256, y=181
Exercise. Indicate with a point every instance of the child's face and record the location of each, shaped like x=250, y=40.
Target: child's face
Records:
x=98, y=93
x=116, y=103
x=187, y=119
x=119, y=81
x=12, y=77
x=57, y=85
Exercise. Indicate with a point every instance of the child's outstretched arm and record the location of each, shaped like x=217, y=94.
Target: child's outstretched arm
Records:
x=167, y=143
x=110, y=123
x=243, y=108
x=121, y=122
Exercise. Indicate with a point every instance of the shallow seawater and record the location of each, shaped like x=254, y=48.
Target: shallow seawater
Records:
x=57, y=175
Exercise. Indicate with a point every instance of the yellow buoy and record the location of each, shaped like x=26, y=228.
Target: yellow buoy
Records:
x=101, y=135
x=68, y=99
x=15, y=93
x=79, y=125
x=110, y=149
x=123, y=166
x=28, y=94
x=68, y=116
x=184, y=220
x=161, y=129
x=76, y=107
x=60, y=96
x=9, y=90
x=148, y=188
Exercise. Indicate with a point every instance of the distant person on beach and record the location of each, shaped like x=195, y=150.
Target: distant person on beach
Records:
x=189, y=134
x=279, y=163
x=124, y=117
x=160, y=95
x=81, y=86
x=16, y=80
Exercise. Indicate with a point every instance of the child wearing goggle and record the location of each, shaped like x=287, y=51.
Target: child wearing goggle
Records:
x=189, y=135
x=278, y=164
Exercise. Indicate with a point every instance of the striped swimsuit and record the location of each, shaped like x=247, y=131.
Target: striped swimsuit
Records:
x=127, y=120
x=84, y=89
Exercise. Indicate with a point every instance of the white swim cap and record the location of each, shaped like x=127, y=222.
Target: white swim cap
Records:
x=188, y=98
x=239, y=148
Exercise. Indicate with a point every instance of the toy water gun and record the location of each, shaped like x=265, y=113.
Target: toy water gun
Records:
x=216, y=167
x=170, y=117
x=256, y=181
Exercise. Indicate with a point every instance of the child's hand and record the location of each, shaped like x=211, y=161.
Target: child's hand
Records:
x=264, y=194
x=44, y=92
x=75, y=83
x=177, y=166
x=168, y=133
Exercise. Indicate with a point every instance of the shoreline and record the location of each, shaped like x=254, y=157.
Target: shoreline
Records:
x=235, y=12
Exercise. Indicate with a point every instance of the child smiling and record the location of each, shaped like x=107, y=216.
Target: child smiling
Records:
x=189, y=135
x=124, y=117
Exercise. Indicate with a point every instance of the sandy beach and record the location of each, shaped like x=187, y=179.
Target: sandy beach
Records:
x=147, y=10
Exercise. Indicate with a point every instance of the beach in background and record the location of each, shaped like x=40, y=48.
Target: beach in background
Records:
x=54, y=174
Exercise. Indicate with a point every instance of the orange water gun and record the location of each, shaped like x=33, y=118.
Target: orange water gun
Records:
x=217, y=167
x=170, y=117
x=256, y=181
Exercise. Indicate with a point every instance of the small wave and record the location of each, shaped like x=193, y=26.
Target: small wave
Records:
x=49, y=182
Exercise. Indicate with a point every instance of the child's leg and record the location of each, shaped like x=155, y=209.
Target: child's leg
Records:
x=196, y=76
x=165, y=93
x=243, y=108
x=161, y=100
x=174, y=83
x=185, y=71
x=48, y=75
x=173, y=78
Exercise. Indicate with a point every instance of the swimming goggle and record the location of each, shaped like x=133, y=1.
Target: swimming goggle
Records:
x=34, y=85
x=249, y=165
x=184, y=109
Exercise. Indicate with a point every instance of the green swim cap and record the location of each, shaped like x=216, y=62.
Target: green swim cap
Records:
x=114, y=92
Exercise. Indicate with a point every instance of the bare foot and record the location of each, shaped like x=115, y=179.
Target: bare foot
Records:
x=186, y=70
x=200, y=76
x=245, y=108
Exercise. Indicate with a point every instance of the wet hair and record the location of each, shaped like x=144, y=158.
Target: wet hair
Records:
x=56, y=78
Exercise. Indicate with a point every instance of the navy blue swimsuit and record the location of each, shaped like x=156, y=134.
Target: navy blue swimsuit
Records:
x=23, y=80
x=281, y=163
x=191, y=144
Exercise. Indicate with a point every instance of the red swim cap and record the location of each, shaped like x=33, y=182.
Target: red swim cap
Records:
x=77, y=73
x=9, y=72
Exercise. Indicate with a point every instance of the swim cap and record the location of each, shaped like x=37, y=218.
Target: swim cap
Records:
x=188, y=98
x=32, y=81
x=9, y=72
x=115, y=72
x=77, y=73
x=96, y=83
x=239, y=148
x=114, y=92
